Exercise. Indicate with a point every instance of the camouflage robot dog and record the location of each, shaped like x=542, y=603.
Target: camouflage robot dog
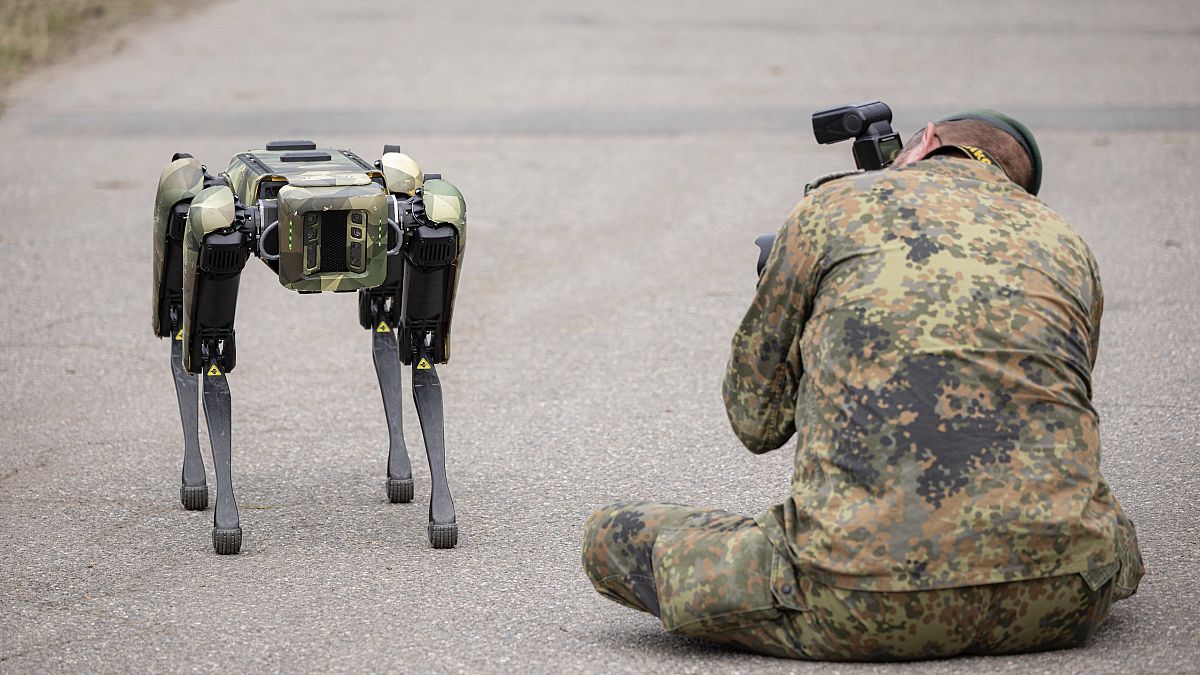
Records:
x=323, y=220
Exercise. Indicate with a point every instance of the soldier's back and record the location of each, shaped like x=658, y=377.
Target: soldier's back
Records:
x=946, y=432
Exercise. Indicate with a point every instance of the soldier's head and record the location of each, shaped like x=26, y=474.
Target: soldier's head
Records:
x=1012, y=148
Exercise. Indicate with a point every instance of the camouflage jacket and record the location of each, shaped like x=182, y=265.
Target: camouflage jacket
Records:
x=929, y=332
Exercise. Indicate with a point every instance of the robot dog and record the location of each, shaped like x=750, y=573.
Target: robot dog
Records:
x=323, y=220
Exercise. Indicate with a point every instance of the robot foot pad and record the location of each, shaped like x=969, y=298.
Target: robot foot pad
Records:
x=400, y=490
x=443, y=536
x=227, y=542
x=194, y=497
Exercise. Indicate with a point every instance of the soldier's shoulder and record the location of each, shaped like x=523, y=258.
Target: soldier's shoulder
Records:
x=829, y=178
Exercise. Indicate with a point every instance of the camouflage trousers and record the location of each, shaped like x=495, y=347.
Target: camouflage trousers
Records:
x=714, y=575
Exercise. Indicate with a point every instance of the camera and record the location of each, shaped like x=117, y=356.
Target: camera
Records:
x=869, y=124
x=875, y=144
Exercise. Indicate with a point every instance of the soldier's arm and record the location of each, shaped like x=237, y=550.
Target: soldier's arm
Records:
x=763, y=375
x=1095, y=310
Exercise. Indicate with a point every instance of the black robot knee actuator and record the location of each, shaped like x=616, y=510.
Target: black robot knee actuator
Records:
x=432, y=260
x=426, y=245
x=214, y=256
x=430, y=276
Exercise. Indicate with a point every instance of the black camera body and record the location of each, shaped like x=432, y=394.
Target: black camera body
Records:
x=869, y=124
x=875, y=144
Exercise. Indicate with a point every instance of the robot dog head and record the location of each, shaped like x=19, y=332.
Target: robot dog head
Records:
x=332, y=238
x=330, y=210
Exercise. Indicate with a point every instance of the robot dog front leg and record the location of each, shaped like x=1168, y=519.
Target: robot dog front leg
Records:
x=215, y=252
x=193, y=489
x=379, y=312
x=427, y=395
x=386, y=354
x=433, y=249
x=393, y=309
x=414, y=304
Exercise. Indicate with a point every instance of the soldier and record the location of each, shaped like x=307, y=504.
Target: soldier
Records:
x=928, y=331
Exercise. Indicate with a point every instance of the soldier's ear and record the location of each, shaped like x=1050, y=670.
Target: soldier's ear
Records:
x=919, y=148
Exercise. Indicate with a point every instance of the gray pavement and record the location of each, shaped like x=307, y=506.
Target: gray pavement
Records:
x=618, y=159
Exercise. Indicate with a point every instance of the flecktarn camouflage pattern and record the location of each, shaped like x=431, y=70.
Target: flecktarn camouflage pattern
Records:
x=928, y=333
x=714, y=575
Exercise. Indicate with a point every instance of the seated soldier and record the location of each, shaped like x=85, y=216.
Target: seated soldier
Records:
x=928, y=331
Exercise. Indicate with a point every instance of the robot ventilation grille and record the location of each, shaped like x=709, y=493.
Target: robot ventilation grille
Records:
x=333, y=241
x=435, y=251
x=221, y=259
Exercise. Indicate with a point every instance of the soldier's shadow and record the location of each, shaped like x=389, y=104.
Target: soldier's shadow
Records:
x=652, y=643
x=701, y=656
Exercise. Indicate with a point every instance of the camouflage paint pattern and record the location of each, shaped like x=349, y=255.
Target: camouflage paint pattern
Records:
x=715, y=575
x=247, y=170
x=245, y=180
x=325, y=192
x=401, y=173
x=445, y=204
x=929, y=332
x=211, y=210
x=182, y=179
x=343, y=182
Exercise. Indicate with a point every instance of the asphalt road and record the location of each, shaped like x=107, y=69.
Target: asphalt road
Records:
x=618, y=159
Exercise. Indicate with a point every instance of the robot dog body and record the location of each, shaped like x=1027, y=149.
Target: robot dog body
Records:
x=322, y=220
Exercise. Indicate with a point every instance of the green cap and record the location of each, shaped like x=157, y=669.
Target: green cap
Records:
x=1013, y=128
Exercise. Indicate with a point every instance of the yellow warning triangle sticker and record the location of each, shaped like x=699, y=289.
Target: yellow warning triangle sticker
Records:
x=213, y=370
x=383, y=328
x=423, y=364
x=179, y=335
